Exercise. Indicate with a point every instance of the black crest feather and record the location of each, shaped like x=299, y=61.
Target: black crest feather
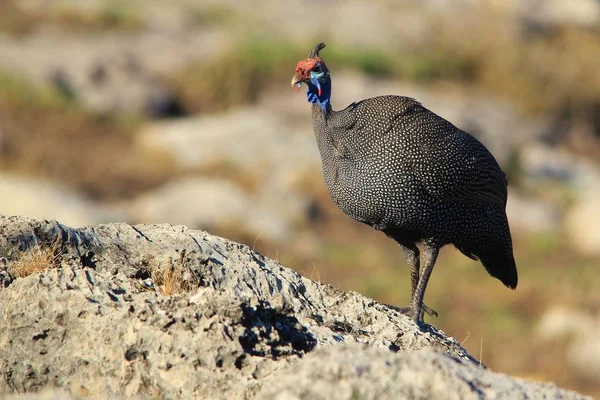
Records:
x=315, y=51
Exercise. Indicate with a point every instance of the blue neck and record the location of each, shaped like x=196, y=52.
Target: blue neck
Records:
x=312, y=94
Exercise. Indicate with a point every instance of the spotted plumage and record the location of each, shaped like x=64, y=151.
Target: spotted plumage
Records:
x=392, y=164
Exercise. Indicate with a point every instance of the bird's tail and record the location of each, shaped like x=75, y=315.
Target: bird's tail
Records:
x=496, y=254
x=500, y=263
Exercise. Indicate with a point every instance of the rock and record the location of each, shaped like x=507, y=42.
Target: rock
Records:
x=581, y=330
x=249, y=138
x=541, y=163
x=194, y=201
x=532, y=215
x=240, y=326
x=583, y=223
x=560, y=323
x=44, y=199
x=259, y=147
x=209, y=203
x=110, y=72
x=361, y=372
x=585, y=13
x=46, y=394
x=584, y=356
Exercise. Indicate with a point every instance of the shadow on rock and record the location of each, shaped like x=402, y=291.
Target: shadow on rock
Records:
x=275, y=332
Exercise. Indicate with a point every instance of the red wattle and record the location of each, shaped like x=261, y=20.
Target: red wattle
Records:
x=319, y=92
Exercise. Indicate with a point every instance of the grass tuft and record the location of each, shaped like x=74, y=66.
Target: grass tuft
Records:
x=36, y=260
x=170, y=280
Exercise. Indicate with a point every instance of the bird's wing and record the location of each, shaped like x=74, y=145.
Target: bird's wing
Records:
x=452, y=165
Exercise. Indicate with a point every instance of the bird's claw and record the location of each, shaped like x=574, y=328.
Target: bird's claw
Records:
x=410, y=312
x=430, y=311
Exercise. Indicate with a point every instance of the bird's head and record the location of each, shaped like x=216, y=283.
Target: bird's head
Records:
x=314, y=73
x=311, y=70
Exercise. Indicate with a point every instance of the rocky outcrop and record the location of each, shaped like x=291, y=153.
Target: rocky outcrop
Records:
x=583, y=223
x=165, y=311
x=579, y=329
x=39, y=198
x=108, y=73
x=267, y=159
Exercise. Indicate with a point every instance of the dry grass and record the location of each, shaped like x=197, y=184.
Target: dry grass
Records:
x=169, y=279
x=248, y=179
x=237, y=76
x=36, y=260
x=540, y=70
x=43, y=133
x=551, y=72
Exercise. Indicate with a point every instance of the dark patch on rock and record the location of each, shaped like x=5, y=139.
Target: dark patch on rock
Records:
x=273, y=331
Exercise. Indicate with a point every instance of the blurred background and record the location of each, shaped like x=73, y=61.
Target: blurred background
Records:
x=181, y=112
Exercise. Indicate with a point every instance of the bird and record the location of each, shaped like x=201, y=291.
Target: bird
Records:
x=398, y=167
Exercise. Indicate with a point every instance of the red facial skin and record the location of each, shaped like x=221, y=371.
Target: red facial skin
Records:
x=303, y=69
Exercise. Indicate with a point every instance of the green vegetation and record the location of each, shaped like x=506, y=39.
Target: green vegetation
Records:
x=112, y=15
x=238, y=76
x=117, y=14
x=241, y=74
x=210, y=14
x=17, y=91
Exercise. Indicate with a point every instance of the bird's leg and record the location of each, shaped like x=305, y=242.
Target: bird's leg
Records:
x=429, y=257
x=411, y=253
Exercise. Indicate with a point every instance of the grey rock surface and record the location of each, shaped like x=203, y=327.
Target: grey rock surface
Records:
x=110, y=72
x=250, y=137
x=97, y=324
x=529, y=214
x=542, y=163
x=46, y=394
x=349, y=372
x=583, y=223
x=580, y=329
x=40, y=198
x=262, y=149
x=219, y=203
x=584, y=13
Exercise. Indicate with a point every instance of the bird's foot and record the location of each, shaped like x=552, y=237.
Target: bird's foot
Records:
x=411, y=312
x=430, y=311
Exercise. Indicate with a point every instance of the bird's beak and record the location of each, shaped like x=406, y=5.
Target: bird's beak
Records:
x=297, y=81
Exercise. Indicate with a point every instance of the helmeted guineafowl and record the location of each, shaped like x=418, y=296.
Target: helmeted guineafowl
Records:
x=394, y=165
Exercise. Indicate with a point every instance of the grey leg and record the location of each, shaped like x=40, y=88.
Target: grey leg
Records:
x=430, y=253
x=411, y=253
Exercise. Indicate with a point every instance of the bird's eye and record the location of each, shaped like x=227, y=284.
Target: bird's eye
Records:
x=317, y=68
